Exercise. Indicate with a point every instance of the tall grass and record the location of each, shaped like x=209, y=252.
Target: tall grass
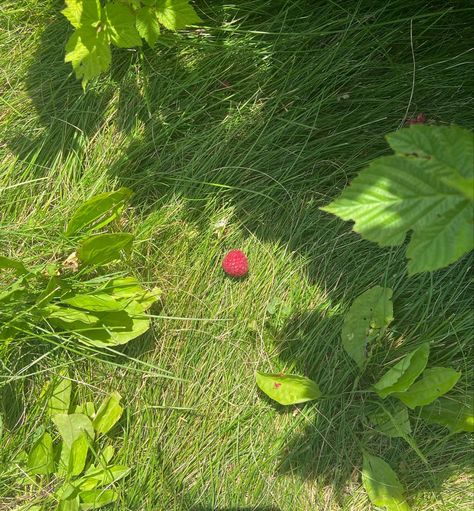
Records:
x=233, y=137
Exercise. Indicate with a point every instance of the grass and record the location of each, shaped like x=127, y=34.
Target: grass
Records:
x=234, y=137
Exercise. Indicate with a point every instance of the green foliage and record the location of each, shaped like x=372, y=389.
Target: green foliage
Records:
x=99, y=311
x=424, y=188
x=287, y=389
x=84, y=478
x=114, y=23
x=401, y=376
x=455, y=414
x=366, y=320
x=435, y=382
x=382, y=484
x=394, y=423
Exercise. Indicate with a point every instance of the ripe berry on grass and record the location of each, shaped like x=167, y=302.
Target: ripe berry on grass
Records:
x=235, y=264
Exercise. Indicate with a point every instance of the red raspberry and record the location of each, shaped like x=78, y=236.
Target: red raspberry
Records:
x=235, y=264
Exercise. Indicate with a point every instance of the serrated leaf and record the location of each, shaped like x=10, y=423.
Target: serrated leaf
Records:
x=147, y=25
x=89, y=53
x=120, y=26
x=76, y=431
x=369, y=315
x=99, y=211
x=7, y=263
x=402, y=375
x=448, y=147
x=41, y=456
x=434, y=383
x=288, y=389
x=392, y=423
x=94, y=302
x=104, y=248
x=108, y=413
x=409, y=191
x=382, y=484
x=456, y=415
x=60, y=399
x=176, y=14
x=82, y=12
x=95, y=499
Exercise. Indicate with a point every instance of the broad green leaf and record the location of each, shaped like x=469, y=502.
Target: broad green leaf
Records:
x=99, y=211
x=87, y=408
x=147, y=25
x=95, y=499
x=41, y=457
x=369, y=315
x=402, y=375
x=108, y=413
x=447, y=147
x=392, y=423
x=288, y=389
x=434, y=383
x=409, y=191
x=129, y=289
x=76, y=430
x=89, y=53
x=176, y=14
x=456, y=415
x=94, y=302
x=95, y=477
x=120, y=25
x=70, y=504
x=66, y=315
x=18, y=266
x=60, y=399
x=104, y=248
x=82, y=12
x=382, y=484
x=463, y=185
x=67, y=491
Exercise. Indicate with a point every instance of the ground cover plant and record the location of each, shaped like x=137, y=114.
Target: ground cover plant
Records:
x=233, y=137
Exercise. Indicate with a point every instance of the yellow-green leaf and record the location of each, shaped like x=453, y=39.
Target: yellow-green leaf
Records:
x=108, y=413
x=288, y=389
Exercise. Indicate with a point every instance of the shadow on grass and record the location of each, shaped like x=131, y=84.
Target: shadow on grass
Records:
x=258, y=132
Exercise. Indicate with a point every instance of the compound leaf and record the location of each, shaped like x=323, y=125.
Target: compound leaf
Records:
x=382, y=484
x=369, y=315
x=176, y=14
x=288, y=389
x=147, y=25
x=411, y=191
x=98, y=211
x=456, y=415
x=83, y=12
x=434, y=383
x=402, y=375
x=89, y=53
x=120, y=25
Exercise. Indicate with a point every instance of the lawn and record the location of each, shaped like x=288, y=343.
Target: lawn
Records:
x=233, y=137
